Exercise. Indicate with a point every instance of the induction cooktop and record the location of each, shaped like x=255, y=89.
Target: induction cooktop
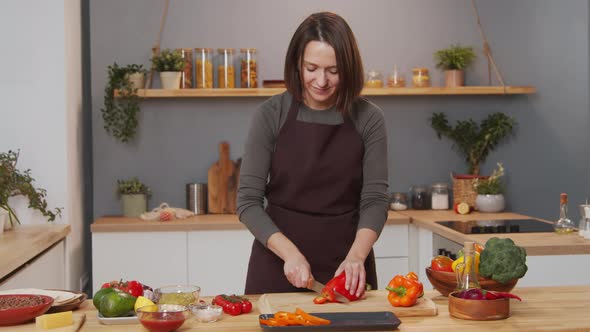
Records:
x=498, y=226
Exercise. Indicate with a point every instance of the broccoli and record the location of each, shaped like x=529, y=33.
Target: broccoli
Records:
x=502, y=260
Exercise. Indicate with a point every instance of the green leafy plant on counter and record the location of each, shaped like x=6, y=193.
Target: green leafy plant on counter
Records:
x=491, y=185
x=132, y=187
x=120, y=114
x=474, y=141
x=168, y=60
x=455, y=57
x=502, y=260
x=14, y=182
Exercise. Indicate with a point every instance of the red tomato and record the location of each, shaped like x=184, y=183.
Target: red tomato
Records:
x=442, y=263
x=246, y=306
x=134, y=288
x=233, y=308
x=106, y=285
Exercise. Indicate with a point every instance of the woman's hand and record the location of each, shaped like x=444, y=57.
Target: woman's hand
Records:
x=354, y=269
x=297, y=271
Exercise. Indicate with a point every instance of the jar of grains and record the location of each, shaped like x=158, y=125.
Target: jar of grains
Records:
x=225, y=68
x=204, y=68
x=439, y=195
x=398, y=202
x=248, y=68
x=186, y=79
x=420, y=78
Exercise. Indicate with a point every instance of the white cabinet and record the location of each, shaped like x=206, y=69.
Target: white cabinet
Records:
x=391, y=253
x=45, y=271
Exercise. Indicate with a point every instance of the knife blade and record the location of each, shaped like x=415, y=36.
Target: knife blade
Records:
x=317, y=287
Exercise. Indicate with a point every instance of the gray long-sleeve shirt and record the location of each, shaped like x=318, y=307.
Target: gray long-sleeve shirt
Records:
x=269, y=118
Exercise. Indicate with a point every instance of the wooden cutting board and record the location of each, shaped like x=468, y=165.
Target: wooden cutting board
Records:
x=222, y=183
x=373, y=301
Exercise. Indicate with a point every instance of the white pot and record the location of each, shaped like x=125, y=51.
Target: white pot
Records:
x=490, y=203
x=170, y=79
x=4, y=221
x=136, y=80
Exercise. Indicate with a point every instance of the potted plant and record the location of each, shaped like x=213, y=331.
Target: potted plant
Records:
x=120, y=114
x=475, y=142
x=490, y=192
x=14, y=182
x=170, y=64
x=453, y=61
x=134, y=195
x=136, y=76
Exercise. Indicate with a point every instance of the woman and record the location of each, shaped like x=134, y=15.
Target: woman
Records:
x=323, y=150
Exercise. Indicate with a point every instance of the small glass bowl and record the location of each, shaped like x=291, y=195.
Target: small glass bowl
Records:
x=178, y=294
x=206, y=313
x=163, y=317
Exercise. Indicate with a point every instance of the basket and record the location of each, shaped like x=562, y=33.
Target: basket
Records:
x=463, y=190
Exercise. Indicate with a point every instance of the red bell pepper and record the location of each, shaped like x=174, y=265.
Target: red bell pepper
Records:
x=337, y=284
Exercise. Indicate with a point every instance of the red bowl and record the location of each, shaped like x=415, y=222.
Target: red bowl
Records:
x=13, y=314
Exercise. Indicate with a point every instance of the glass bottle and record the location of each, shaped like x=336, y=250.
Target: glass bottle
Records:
x=248, y=68
x=225, y=68
x=465, y=271
x=564, y=225
x=204, y=68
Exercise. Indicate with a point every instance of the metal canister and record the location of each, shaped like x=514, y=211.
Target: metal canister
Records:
x=196, y=198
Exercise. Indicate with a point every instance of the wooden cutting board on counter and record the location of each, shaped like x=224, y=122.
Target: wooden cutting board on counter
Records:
x=222, y=183
x=373, y=301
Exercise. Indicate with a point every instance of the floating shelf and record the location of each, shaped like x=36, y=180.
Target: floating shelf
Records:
x=267, y=92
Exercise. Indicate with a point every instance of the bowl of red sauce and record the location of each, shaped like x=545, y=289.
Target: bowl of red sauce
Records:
x=21, y=308
x=162, y=317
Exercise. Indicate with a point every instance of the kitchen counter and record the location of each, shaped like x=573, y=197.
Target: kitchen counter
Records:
x=547, y=309
x=196, y=223
x=24, y=242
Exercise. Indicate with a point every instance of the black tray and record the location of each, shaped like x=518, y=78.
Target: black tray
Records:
x=345, y=321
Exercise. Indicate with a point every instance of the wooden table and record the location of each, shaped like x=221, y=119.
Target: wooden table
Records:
x=547, y=309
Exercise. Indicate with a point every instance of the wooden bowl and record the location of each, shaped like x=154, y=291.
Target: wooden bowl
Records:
x=446, y=282
x=479, y=309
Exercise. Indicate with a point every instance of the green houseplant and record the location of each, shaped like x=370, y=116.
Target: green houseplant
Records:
x=490, y=191
x=134, y=195
x=14, y=182
x=120, y=114
x=170, y=64
x=454, y=60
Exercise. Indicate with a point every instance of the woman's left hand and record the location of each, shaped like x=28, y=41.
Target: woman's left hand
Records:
x=354, y=269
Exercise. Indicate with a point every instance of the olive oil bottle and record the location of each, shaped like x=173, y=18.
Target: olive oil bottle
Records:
x=563, y=225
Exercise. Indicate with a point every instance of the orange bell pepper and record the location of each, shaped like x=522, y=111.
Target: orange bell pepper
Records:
x=404, y=291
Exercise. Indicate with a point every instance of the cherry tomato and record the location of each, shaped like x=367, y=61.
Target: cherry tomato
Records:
x=442, y=263
x=106, y=285
x=234, y=308
x=246, y=306
x=134, y=288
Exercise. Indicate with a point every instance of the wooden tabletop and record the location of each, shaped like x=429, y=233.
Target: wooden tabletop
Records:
x=196, y=223
x=536, y=244
x=22, y=243
x=547, y=309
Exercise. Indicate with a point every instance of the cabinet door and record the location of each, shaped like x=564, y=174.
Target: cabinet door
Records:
x=388, y=267
x=393, y=241
x=218, y=260
x=153, y=258
x=45, y=271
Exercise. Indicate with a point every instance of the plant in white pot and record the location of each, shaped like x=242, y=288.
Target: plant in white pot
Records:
x=14, y=182
x=134, y=195
x=453, y=61
x=136, y=76
x=170, y=64
x=490, y=192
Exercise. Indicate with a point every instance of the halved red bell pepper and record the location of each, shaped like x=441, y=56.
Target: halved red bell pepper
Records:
x=337, y=284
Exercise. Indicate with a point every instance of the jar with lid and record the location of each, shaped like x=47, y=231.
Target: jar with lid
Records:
x=248, y=68
x=226, y=78
x=419, y=198
x=204, y=68
x=186, y=78
x=439, y=195
x=396, y=78
x=398, y=201
x=374, y=79
x=420, y=78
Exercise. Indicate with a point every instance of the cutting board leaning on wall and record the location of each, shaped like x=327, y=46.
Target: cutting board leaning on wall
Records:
x=222, y=183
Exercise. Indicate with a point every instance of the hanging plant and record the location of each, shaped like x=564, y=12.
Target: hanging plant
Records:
x=120, y=114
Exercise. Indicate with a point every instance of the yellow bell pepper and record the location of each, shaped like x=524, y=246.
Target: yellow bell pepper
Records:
x=468, y=264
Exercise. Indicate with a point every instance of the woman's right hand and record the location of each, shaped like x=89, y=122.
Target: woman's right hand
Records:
x=297, y=271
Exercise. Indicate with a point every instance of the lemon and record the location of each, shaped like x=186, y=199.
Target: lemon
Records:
x=142, y=302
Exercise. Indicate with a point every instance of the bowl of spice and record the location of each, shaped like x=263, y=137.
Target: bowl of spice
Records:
x=207, y=313
x=21, y=308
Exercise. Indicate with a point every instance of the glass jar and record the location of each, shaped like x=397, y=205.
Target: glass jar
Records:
x=419, y=198
x=226, y=78
x=396, y=79
x=248, y=68
x=374, y=79
x=420, y=78
x=186, y=79
x=398, y=202
x=204, y=68
x=439, y=196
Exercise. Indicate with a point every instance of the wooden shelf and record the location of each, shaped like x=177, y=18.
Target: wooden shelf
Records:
x=267, y=92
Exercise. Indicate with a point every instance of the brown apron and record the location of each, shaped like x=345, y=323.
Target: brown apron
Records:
x=313, y=197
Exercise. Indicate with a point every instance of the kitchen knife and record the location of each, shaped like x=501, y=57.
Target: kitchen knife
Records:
x=317, y=287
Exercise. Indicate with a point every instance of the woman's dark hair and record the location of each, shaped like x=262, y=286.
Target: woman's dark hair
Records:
x=331, y=29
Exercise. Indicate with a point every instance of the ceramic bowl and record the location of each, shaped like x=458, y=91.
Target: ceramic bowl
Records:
x=446, y=282
x=20, y=308
x=162, y=317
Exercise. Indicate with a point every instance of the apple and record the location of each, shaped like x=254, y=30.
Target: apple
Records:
x=462, y=208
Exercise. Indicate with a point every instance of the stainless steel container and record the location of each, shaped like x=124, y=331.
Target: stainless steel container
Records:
x=196, y=197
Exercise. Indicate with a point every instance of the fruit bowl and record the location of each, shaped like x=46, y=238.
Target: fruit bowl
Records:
x=21, y=308
x=162, y=317
x=446, y=282
x=178, y=294
x=478, y=309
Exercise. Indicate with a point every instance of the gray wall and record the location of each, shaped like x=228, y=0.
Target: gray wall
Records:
x=535, y=42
